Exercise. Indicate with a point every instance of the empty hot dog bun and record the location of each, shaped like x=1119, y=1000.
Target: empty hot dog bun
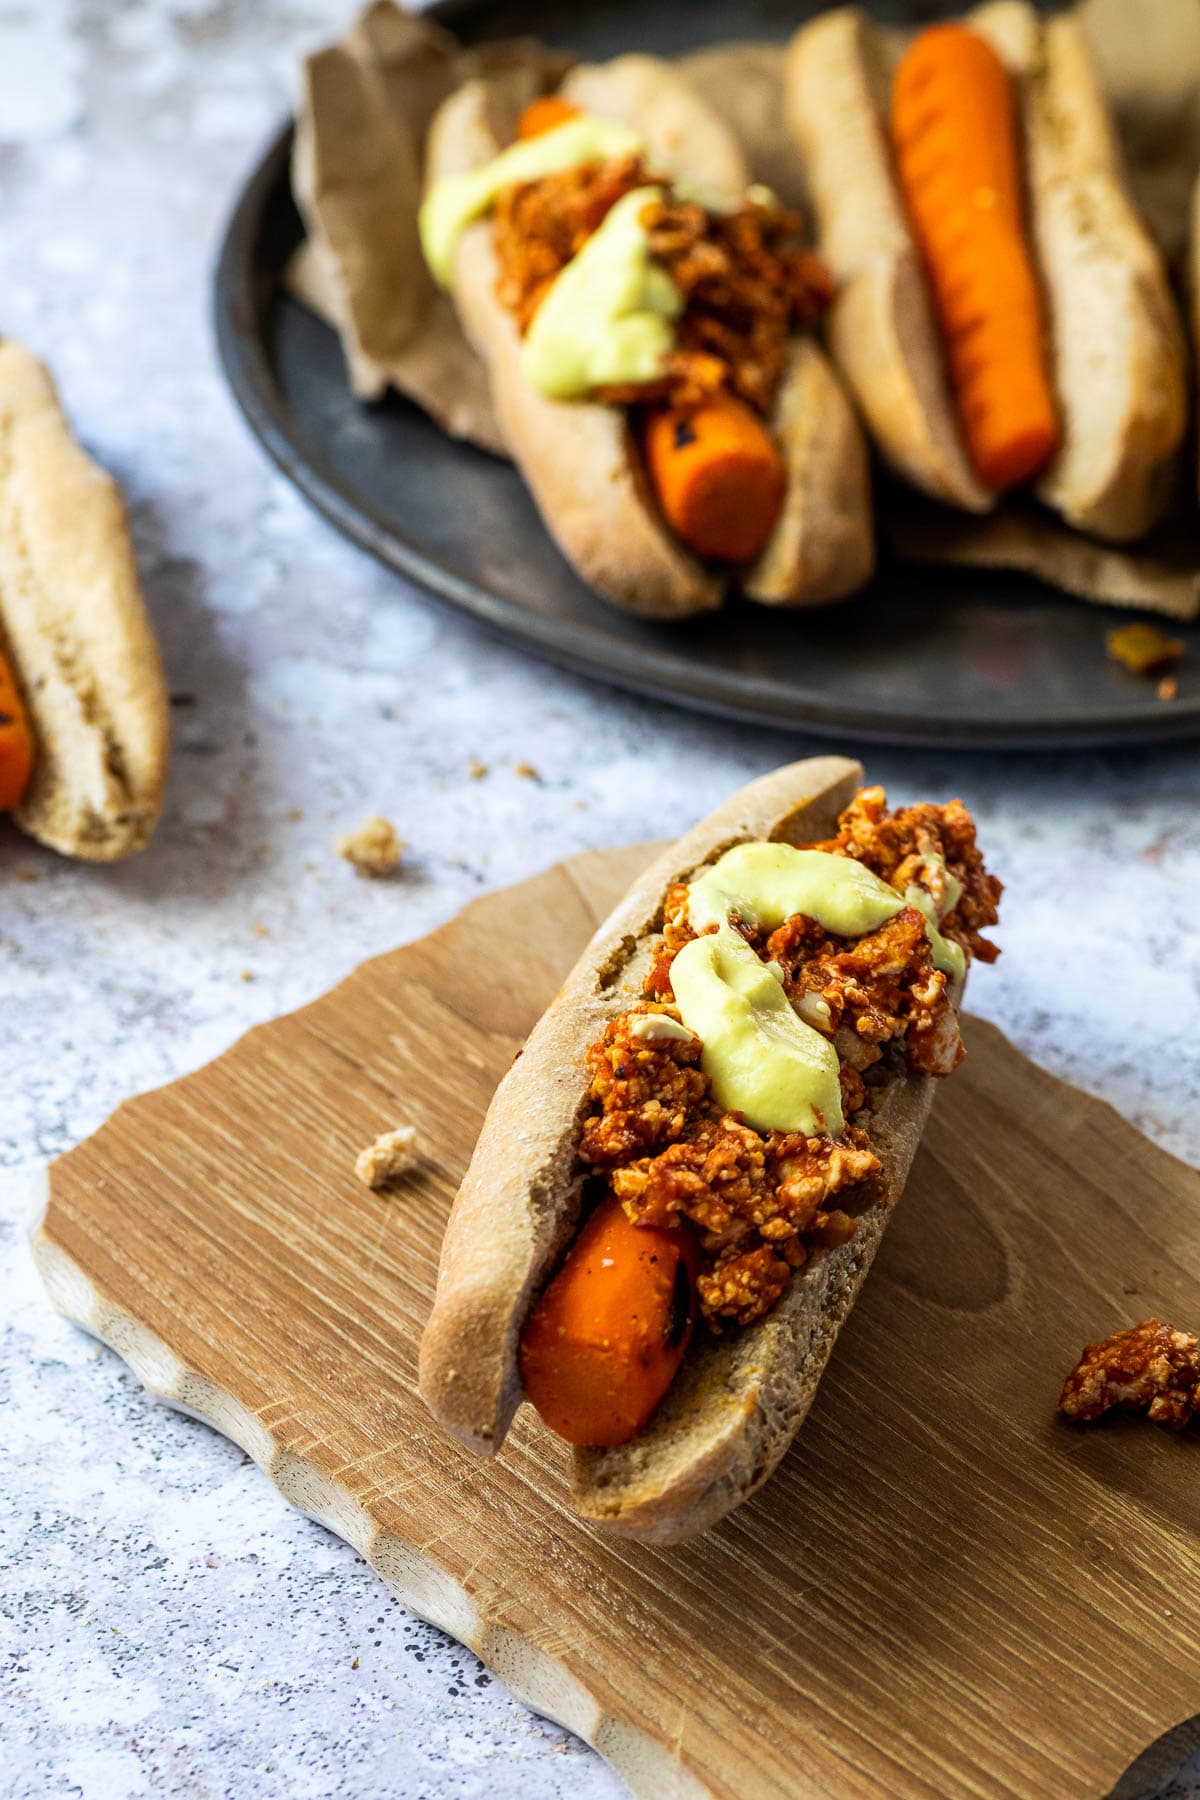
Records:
x=738, y=1399
x=1115, y=345
x=579, y=457
x=76, y=632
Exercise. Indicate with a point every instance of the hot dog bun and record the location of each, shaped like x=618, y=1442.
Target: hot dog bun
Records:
x=75, y=627
x=578, y=458
x=739, y=1400
x=1117, y=348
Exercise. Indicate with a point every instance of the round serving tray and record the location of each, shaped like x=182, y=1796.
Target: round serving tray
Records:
x=964, y=658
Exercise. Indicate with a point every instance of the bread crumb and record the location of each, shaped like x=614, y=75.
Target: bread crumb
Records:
x=260, y=930
x=26, y=874
x=374, y=849
x=1168, y=688
x=389, y=1156
x=527, y=770
x=354, y=1664
x=476, y=769
x=245, y=974
x=295, y=814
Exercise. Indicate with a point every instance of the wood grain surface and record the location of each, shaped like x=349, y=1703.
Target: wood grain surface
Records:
x=945, y=1591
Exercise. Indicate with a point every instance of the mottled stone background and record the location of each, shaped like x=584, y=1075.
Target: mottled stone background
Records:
x=166, y=1624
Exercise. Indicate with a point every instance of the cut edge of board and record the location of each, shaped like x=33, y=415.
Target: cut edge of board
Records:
x=529, y=1674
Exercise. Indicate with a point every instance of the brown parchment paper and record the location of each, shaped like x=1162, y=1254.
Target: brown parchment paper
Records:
x=365, y=108
x=366, y=104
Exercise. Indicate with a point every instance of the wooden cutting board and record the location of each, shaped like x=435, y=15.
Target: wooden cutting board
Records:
x=945, y=1591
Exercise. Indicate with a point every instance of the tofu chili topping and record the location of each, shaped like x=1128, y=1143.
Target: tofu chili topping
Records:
x=761, y=1203
x=746, y=283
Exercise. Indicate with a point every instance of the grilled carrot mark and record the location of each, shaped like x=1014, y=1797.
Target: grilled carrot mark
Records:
x=604, y=1342
x=717, y=474
x=954, y=126
x=16, y=740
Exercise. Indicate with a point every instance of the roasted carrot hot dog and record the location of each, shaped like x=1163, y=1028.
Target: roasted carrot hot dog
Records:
x=714, y=468
x=603, y=1344
x=955, y=130
x=700, y=1076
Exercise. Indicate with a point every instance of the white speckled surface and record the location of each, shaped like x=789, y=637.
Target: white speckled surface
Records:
x=169, y=1625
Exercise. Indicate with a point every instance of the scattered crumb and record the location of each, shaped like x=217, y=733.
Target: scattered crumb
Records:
x=245, y=974
x=374, y=849
x=212, y=1560
x=295, y=814
x=354, y=1664
x=388, y=1157
x=1168, y=688
x=476, y=769
x=260, y=930
x=527, y=770
x=26, y=874
x=1143, y=649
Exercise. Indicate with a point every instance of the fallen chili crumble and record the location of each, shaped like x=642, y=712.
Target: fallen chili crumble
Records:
x=1152, y=1368
x=761, y=1202
x=747, y=282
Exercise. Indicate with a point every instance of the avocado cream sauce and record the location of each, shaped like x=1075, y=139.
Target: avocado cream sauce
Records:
x=607, y=316
x=763, y=1060
x=454, y=201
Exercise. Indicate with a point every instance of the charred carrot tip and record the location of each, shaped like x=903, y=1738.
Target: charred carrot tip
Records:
x=544, y=114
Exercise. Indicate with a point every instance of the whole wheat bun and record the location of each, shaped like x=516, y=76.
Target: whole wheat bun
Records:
x=578, y=458
x=738, y=1400
x=823, y=544
x=1117, y=349
x=74, y=625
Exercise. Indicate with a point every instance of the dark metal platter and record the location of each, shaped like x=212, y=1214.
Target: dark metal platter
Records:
x=948, y=657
